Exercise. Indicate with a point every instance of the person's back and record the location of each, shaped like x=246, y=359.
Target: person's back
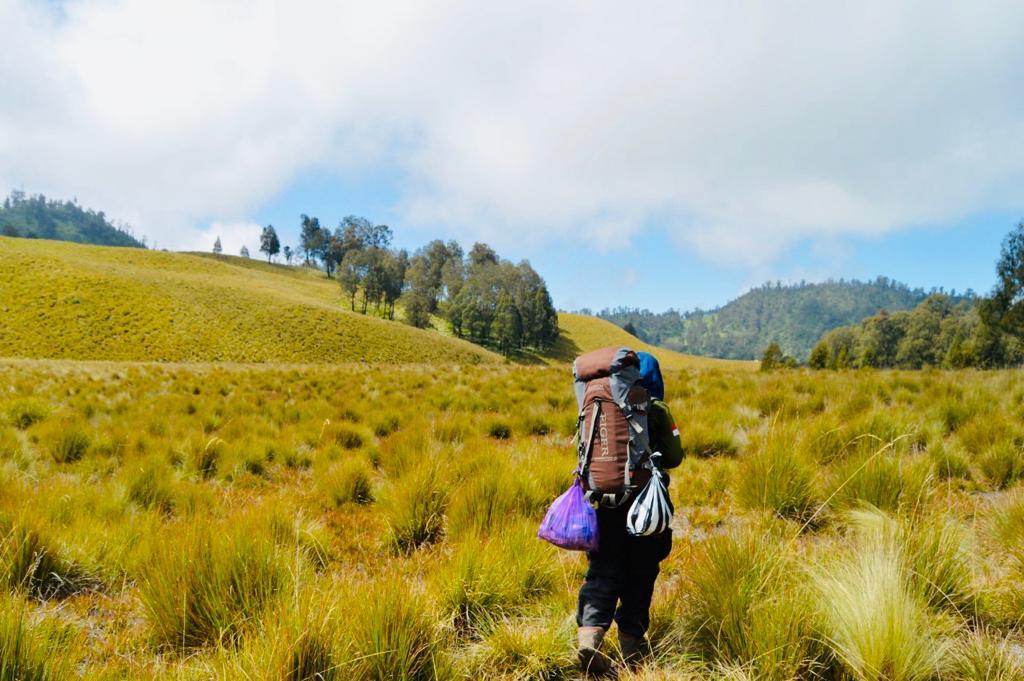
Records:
x=621, y=573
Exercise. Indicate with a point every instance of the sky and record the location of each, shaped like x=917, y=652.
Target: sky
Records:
x=659, y=154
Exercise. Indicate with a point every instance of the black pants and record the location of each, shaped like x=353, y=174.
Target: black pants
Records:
x=621, y=574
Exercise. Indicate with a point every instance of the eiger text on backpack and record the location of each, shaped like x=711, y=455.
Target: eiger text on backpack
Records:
x=614, y=449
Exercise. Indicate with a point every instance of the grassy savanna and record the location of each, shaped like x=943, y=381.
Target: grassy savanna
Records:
x=261, y=522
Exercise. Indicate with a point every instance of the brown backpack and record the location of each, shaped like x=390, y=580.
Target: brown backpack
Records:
x=614, y=449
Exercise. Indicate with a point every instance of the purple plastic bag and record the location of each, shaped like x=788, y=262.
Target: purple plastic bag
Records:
x=571, y=523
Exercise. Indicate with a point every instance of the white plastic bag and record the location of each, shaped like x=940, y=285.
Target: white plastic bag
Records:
x=651, y=512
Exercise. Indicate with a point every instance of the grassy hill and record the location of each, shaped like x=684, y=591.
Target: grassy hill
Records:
x=580, y=333
x=70, y=301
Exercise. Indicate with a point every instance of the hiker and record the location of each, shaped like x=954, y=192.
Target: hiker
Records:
x=622, y=571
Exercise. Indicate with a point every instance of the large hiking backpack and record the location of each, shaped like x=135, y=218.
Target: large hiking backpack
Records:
x=614, y=450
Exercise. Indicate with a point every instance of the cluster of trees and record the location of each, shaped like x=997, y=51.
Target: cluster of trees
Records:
x=937, y=333
x=482, y=297
x=985, y=333
x=37, y=217
x=793, y=316
x=774, y=358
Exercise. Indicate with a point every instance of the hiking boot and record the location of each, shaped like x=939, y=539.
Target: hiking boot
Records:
x=592, y=661
x=634, y=650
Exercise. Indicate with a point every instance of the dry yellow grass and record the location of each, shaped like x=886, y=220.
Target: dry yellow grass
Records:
x=197, y=521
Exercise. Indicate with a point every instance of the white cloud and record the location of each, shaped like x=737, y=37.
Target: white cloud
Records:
x=738, y=128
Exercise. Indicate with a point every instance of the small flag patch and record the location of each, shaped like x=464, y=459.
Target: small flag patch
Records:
x=675, y=430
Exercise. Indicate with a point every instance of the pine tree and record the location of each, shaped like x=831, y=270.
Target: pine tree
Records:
x=217, y=248
x=269, y=243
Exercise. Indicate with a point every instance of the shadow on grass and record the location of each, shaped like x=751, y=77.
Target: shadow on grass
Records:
x=564, y=350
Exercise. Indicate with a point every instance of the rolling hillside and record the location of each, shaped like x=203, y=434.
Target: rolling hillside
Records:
x=70, y=301
x=580, y=333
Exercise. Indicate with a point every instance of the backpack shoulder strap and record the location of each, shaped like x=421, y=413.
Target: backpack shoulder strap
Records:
x=587, y=444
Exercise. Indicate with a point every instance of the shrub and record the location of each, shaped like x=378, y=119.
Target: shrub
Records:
x=392, y=636
x=348, y=481
x=203, y=585
x=71, y=445
x=415, y=507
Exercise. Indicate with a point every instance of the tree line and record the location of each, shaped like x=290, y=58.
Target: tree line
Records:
x=482, y=297
x=795, y=316
x=985, y=333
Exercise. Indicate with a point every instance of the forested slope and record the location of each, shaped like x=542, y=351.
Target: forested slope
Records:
x=795, y=317
x=36, y=217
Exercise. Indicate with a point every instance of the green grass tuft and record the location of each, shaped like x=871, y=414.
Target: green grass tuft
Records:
x=875, y=622
x=203, y=585
x=414, y=508
x=393, y=636
x=31, y=651
x=348, y=481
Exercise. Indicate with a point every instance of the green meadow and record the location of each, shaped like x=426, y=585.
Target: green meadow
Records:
x=174, y=521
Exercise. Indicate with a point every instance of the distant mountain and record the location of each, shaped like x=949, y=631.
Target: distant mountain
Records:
x=793, y=316
x=36, y=217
